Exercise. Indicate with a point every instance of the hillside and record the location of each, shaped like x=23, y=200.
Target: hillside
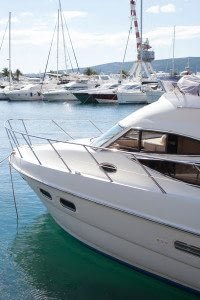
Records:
x=159, y=65
x=164, y=65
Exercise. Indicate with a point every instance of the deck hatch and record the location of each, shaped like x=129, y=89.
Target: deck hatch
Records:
x=187, y=248
x=68, y=204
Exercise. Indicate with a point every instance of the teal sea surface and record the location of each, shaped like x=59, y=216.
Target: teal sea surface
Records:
x=39, y=260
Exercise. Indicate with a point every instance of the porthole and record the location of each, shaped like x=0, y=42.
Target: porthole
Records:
x=68, y=204
x=46, y=194
x=187, y=248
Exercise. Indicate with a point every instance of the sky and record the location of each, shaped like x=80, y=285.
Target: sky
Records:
x=98, y=29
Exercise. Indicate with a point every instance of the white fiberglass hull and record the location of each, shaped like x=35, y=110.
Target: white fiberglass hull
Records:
x=27, y=96
x=137, y=98
x=3, y=96
x=125, y=233
x=59, y=96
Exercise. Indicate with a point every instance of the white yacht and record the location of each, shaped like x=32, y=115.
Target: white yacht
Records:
x=136, y=92
x=65, y=93
x=3, y=91
x=132, y=193
x=102, y=94
x=28, y=92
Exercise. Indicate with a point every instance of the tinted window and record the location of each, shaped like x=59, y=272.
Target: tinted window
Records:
x=180, y=171
x=128, y=142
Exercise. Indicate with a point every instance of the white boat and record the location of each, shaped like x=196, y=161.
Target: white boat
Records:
x=136, y=92
x=66, y=92
x=103, y=94
x=3, y=95
x=28, y=92
x=131, y=193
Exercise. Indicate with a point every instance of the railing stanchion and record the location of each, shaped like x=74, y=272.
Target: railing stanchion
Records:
x=59, y=155
x=86, y=148
x=149, y=174
x=30, y=146
x=16, y=144
x=26, y=131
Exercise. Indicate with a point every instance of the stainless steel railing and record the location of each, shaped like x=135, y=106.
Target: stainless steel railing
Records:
x=16, y=137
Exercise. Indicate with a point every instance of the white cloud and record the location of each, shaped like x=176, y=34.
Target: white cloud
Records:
x=41, y=37
x=163, y=35
x=169, y=8
x=153, y=9
x=26, y=14
x=156, y=9
x=13, y=20
x=74, y=14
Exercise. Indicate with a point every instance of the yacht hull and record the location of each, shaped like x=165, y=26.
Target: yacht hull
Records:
x=59, y=97
x=24, y=96
x=127, y=98
x=85, y=98
x=128, y=237
x=106, y=98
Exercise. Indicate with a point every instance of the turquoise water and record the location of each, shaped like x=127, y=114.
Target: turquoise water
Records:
x=38, y=260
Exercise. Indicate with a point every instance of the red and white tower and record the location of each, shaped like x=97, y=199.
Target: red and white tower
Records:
x=142, y=68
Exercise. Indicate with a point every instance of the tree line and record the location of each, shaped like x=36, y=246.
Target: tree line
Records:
x=15, y=75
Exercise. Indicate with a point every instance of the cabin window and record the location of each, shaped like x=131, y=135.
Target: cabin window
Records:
x=68, y=204
x=153, y=142
x=180, y=171
x=188, y=146
x=128, y=142
x=187, y=248
x=156, y=142
x=46, y=194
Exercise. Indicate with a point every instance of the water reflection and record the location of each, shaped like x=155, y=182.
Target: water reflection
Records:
x=60, y=267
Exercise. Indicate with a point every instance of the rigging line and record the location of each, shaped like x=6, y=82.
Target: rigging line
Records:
x=72, y=45
x=4, y=35
x=62, y=129
x=13, y=193
x=129, y=33
x=68, y=51
x=4, y=159
x=63, y=35
x=48, y=57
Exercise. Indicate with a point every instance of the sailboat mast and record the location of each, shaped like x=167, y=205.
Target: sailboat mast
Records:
x=10, y=72
x=58, y=30
x=63, y=35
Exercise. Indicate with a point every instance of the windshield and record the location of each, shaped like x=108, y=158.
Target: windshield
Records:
x=102, y=139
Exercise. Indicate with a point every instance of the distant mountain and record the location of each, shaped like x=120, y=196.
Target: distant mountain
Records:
x=164, y=65
x=158, y=65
